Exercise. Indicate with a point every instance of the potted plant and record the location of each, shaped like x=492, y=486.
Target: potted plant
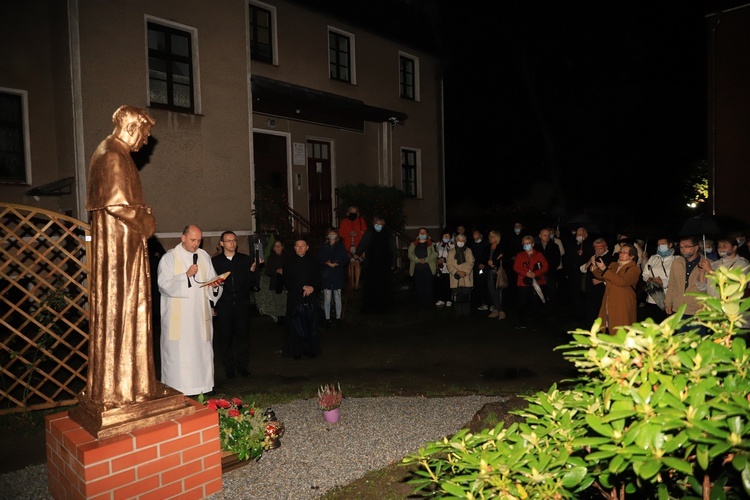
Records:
x=329, y=400
x=244, y=431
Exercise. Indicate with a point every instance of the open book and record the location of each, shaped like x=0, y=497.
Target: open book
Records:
x=218, y=279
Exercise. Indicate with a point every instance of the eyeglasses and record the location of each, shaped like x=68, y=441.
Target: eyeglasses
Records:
x=229, y=241
x=683, y=247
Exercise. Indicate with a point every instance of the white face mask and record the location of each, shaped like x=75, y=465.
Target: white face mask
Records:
x=709, y=249
x=579, y=239
x=723, y=253
x=517, y=230
x=332, y=237
x=460, y=244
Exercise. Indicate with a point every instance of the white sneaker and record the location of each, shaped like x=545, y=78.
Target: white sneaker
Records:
x=483, y=307
x=448, y=304
x=440, y=303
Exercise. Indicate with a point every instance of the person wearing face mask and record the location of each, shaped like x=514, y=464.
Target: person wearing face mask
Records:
x=742, y=244
x=351, y=230
x=480, y=250
x=442, y=277
x=577, y=254
x=528, y=266
x=728, y=256
x=422, y=267
x=708, y=250
x=378, y=249
x=594, y=287
x=619, y=305
x=333, y=259
x=687, y=274
x=460, y=263
x=656, y=276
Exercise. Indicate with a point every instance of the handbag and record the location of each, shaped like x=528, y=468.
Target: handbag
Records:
x=501, y=280
x=462, y=295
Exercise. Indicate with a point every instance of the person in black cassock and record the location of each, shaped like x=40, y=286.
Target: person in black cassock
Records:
x=232, y=311
x=378, y=248
x=302, y=280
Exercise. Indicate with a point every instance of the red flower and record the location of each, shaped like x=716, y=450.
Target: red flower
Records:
x=252, y=411
x=233, y=413
x=236, y=401
x=223, y=403
x=212, y=404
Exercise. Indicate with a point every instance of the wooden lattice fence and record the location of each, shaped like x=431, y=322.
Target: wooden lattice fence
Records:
x=43, y=308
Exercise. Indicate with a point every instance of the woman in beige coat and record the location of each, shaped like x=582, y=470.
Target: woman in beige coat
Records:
x=460, y=264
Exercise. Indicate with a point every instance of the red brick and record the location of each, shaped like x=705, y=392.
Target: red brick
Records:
x=110, y=483
x=213, y=486
x=156, y=434
x=179, y=444
x=60, y=426
x=194, y=494
x=202, y=478
x=210, y=434
x=168, y=491
x=103, y=496
x=96, y=471
x=136, y=489
x=52, y=417
x=199, y=420
x=213, y=460
x=181, y=472
x=134, y=459
x=198, y=452
x=90, y=453
x=158, y=466
x=75, y=438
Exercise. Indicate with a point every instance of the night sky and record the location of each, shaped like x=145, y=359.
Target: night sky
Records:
x=574, y=106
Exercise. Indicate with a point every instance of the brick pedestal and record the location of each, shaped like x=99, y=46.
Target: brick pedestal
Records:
x=179, y=457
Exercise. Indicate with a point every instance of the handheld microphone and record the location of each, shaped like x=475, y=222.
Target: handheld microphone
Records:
x=195, y=261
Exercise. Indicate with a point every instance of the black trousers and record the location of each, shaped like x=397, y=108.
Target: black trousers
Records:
x=424, y=281
x=232, y=335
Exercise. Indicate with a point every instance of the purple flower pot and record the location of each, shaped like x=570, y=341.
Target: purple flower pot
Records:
x=331, y=416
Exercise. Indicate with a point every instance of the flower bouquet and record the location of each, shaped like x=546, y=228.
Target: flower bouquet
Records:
x=329, y=397
x=243, y=430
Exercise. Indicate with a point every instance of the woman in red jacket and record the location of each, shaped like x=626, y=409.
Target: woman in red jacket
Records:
x=529, y=265
x=351, y=230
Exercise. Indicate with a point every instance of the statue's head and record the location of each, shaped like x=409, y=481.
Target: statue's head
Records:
x=132, y=126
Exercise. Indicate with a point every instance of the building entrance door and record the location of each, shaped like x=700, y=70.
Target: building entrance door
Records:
x=271, y=183
x=319, y=184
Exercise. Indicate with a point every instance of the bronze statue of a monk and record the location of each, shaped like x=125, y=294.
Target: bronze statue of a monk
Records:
x=121, y=364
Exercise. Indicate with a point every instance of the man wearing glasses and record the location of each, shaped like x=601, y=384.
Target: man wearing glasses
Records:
x=687, y=274
x=232, y=311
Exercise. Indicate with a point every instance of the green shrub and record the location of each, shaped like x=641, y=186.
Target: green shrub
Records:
x=657, y=413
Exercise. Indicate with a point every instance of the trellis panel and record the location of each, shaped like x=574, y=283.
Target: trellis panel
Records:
x=44, y=267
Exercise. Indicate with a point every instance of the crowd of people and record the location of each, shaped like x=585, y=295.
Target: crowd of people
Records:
x=552, y=270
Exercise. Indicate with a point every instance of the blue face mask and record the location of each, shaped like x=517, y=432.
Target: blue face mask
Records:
x=664, y=251
x=517, y=230
x=378, y=227
x=527, y=247
x=446, y=240
x=422, y=237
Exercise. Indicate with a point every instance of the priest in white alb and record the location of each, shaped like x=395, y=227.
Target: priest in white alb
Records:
x=187, y=357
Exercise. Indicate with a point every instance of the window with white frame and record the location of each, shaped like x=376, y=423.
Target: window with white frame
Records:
x=410, y=172
x=341, y=56
x=408, y=76
x=171, y=77
x=262, y=32
x=15, y=164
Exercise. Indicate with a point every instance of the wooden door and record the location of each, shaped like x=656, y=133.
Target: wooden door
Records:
x=271, y=187
x=319, y=184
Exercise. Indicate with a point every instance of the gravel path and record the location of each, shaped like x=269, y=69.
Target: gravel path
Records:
x=316, y=456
